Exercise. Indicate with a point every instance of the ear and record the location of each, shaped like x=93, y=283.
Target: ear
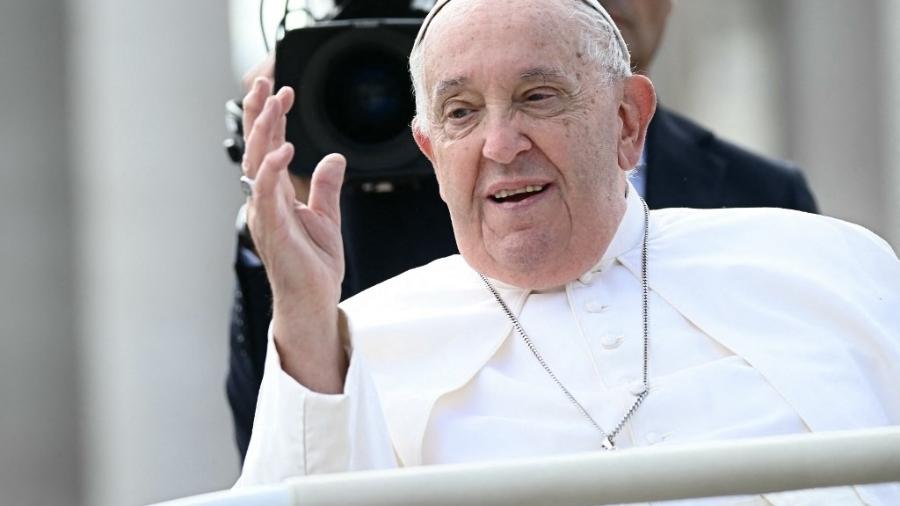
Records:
x=635, y=111
x=422, y=140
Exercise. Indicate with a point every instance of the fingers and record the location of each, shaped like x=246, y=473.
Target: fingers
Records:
x=259, y=142
x=271, y=171
x=268, y=128
x=325, y=190
x=253, y=102
x=286, y=96
x=272, y=200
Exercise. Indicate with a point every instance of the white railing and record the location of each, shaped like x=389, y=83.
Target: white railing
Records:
x=750, y=466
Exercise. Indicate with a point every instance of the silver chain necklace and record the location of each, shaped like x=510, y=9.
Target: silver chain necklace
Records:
x=608, y=441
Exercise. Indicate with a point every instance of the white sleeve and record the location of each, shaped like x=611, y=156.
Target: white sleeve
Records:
x=297, y=431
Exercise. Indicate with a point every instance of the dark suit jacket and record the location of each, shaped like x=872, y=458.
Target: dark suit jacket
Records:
x=687, y=166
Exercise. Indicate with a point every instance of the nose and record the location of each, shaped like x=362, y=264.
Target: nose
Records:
x=504, y=140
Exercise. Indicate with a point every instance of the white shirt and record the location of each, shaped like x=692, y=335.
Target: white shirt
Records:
x=589, y=334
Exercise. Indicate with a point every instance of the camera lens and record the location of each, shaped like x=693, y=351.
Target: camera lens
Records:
x=367, y=95
x=354, y=95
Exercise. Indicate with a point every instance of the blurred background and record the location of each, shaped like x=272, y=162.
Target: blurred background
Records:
x=117, y=207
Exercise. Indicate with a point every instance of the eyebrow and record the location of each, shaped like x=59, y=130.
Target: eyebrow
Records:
x=542, y=74
x=447, y=86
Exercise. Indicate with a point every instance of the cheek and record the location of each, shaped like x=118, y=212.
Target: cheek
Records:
x=443, y=170
x=440, y=172
x=453, y=192
x=456, y=169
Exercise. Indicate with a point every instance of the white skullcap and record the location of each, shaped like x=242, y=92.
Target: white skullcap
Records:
x=595, y=4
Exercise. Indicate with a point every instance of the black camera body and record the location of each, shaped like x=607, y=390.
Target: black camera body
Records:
x=354, y=96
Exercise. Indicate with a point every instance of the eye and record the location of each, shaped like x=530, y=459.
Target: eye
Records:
x=537, y=97
x=458, y=113
x=540, y=94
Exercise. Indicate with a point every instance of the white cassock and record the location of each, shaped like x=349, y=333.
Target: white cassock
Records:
x=762, y=322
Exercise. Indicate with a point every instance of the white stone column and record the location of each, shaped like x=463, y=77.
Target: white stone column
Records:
x=38, y=391
x=155, y=203
x=720, y=63
x=814, y=81
x=837, y=106
x=889, y=28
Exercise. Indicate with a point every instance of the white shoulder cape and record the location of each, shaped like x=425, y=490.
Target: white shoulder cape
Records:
x=812, y=303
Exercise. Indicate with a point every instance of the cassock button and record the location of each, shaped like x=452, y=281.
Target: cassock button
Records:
x=611, y=341
x=595, y=307
x=636, y=387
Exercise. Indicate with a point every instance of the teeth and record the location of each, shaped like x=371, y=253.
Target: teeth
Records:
x=502, y=194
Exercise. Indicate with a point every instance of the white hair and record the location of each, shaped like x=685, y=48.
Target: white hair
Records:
x=600, y=43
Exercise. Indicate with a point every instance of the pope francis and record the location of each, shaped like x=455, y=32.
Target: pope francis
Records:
x=574, y=319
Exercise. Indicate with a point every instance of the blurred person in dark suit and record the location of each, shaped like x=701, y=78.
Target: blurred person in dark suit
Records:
x=683, y=165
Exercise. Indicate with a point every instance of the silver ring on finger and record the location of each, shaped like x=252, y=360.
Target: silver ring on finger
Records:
x=248, y=184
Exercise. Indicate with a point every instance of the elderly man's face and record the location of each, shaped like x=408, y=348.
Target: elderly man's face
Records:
x=527, y=139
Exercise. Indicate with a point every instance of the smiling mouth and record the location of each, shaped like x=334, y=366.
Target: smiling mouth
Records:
x=517, y=194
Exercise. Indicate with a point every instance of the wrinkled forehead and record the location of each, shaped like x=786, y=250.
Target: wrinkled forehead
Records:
x=603, y=16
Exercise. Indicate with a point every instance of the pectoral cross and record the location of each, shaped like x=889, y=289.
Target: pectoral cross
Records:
x=608, y=443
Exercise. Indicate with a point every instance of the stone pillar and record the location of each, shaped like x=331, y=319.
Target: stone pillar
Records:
x=808, y=80
x=155, y=205
x=720, y=63
x=836, y=106
x=889, y=28
x=38, y=388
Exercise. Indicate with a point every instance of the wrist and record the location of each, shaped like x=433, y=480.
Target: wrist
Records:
x=299, y=319
x=313, y=350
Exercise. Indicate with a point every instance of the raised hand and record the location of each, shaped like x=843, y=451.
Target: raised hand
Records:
x=300, y=244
